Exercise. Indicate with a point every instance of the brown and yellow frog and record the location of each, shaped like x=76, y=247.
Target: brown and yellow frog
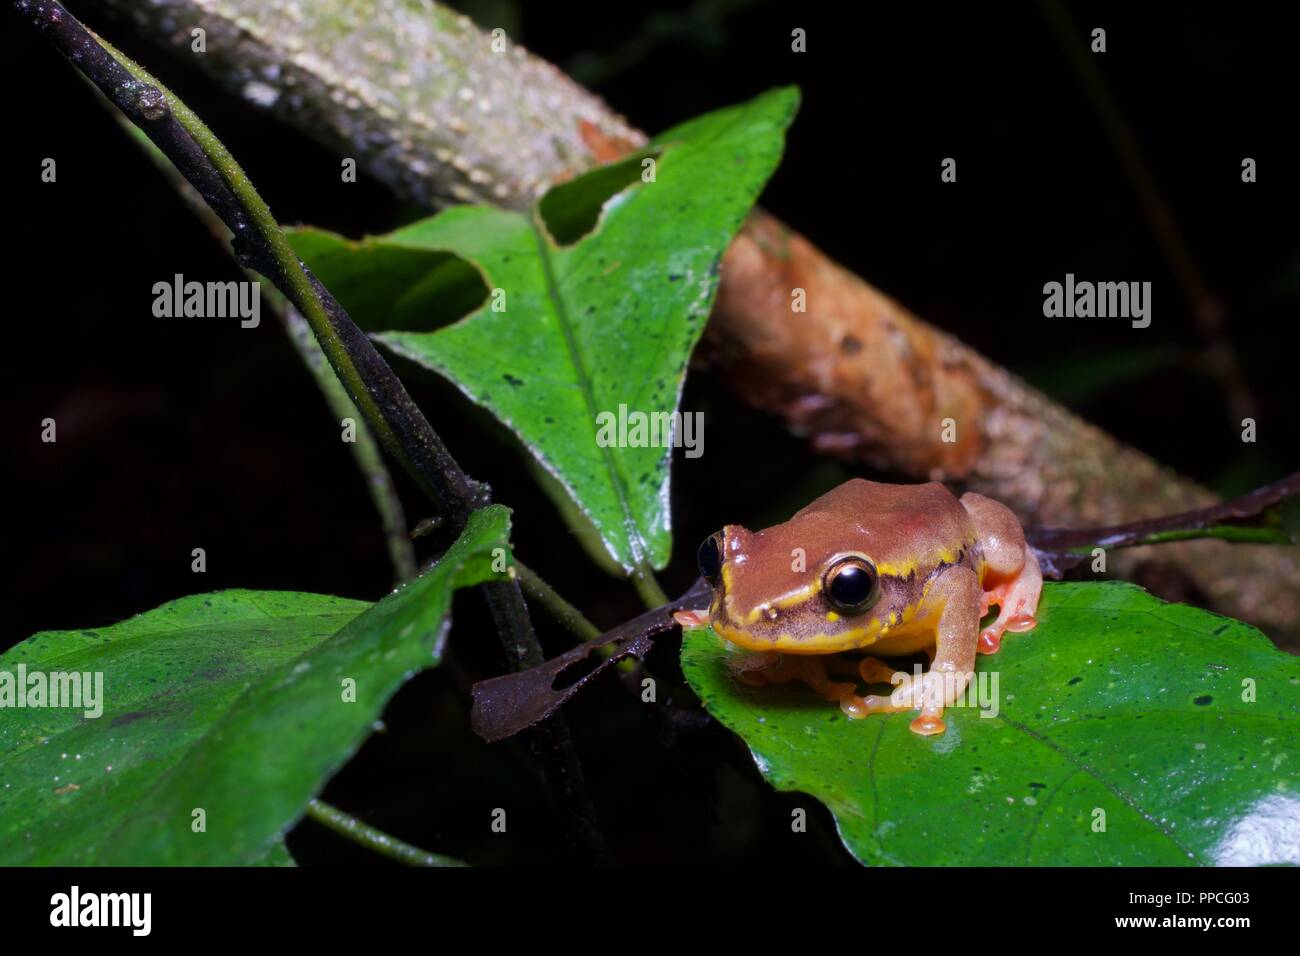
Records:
x=894, y=568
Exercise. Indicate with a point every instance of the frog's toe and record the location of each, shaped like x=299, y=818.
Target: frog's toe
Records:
x=1019, y=623
x=876, y=671
x=858, y=707
x=838, y=692
x=928, y=725
x=990, y=640
x=691, y=619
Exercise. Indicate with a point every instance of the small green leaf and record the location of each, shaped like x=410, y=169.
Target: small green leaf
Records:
x=1118, y=711
x=572, y=332
x=228, y=708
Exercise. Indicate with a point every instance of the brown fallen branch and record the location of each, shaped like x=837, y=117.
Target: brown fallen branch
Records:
x=424, y=102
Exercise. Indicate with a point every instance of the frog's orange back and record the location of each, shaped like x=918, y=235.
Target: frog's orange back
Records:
x=903, y=528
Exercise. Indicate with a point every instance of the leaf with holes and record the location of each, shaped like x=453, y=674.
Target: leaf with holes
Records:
x=580, y=348
x=1121, y=731
x=229, y=709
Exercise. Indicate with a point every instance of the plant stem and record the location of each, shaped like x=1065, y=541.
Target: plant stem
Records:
x=372, y=839
x=1234, y=533
x=402, y=428
x=560, y=609
x=643, y=579
x=365, y=450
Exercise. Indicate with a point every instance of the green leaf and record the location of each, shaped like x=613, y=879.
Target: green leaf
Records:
x=385, y=286
x=587, y=328
x=1117, y=703
x=276, y=854
x=229, y=703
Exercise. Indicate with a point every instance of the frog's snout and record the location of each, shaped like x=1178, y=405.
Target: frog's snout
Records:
x=724, y=559
x=752, y=634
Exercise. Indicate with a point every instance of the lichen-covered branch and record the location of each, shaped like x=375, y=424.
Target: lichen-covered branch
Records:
x=420, y=97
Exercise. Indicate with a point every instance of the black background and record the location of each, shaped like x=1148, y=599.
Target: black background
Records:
x=175, y=435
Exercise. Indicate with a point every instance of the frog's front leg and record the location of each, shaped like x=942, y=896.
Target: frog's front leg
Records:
x=957, y=592
x=956, y=596
x=1012, y=579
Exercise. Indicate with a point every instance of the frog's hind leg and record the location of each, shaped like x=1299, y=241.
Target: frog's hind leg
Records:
x=783, y=668
x=1012, y=578
x=872, y=670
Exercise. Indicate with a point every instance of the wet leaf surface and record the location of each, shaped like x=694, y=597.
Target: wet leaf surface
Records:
x=1118, y=711
x=569, y=333
x=232, y=703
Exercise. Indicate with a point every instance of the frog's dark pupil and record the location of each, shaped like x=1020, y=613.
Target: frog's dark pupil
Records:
x=710, y=559
x=851, y=586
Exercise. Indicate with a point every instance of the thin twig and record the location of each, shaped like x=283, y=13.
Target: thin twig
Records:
x=1059, y=549
x=365, y=450
x=372, y=839
x=560, y=609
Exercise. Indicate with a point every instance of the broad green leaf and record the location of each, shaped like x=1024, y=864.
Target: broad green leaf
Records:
x=1176, y=730
x=568, y=333
x=230, y=703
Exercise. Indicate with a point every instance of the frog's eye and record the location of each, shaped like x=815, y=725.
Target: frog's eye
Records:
x=709, y=558
x=852, y=585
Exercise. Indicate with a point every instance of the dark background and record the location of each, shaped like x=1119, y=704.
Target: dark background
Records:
x=175, y=435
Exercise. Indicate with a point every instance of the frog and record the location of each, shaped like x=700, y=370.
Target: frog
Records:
x=886, y=569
